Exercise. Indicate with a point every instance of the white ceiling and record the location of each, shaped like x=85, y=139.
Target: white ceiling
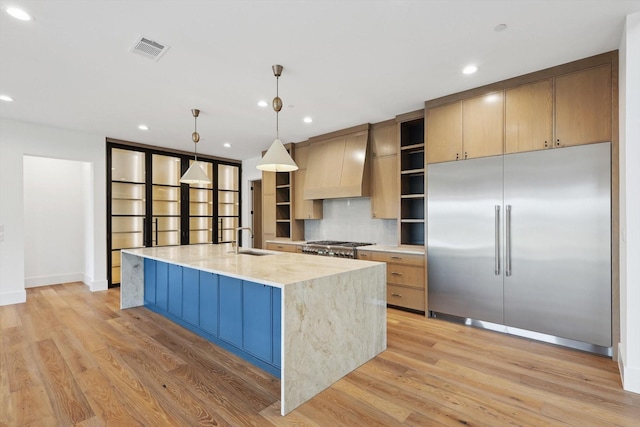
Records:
x=346, y=62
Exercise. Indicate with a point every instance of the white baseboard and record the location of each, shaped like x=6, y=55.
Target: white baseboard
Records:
x=97, y=285
x=33, y=282
x=16, y=297
x=630, y=374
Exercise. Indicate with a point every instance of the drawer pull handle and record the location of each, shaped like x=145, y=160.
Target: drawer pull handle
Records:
x=396, y=295
x=396, y=257
x=395, y=273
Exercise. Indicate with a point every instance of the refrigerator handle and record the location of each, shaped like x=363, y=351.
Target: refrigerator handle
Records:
x=507, y=244
x=497, y=242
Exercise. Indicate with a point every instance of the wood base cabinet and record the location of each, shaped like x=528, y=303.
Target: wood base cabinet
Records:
x=283, y=247
x=406, y=278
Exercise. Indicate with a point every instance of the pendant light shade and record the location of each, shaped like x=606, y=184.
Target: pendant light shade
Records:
x=277, y=159
x=195, y=174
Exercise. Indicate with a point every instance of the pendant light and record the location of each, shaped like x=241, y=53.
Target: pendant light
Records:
x=195, y=174
x=277, y=159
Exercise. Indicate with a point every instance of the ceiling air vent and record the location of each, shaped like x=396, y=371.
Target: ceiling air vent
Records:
x=149, y=48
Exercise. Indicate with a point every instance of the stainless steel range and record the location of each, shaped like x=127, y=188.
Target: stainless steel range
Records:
x=333, y=248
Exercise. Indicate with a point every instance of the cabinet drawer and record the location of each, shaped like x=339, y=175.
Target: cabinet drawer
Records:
x=407, y=275
x=282, y=247
x=405, y=297
x=398, y=258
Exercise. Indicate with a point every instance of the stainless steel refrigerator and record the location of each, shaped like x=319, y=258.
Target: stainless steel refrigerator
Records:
x=524, y=240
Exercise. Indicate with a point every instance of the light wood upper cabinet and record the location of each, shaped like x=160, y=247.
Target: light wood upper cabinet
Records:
x=384, y=195
x=529, y=117
x=466, y=129
x=483, y=126
x=583, y=107
x=384, y=140
x=268, y=205
x=304, y=209
x=384, y=170
x=444, y=133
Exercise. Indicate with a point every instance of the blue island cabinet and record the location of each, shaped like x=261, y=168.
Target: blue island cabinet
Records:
x=238, y=315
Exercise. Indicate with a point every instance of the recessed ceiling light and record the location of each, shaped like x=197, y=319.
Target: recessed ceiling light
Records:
x=307, y=119
x=262, y=103
x=19, y=14
x=470, y=69
x=500, y=27
x=143, y=127
x=6, y=98
x=226, y=145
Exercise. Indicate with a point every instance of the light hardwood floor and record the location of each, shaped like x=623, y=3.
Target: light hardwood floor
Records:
x=72, y=357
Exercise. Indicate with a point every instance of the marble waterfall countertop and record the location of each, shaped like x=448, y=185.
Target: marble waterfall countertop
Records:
x=333, y=316
x=277, y=269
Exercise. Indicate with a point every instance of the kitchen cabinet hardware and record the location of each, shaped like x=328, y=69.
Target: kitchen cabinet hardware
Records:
x=465, y=155
x=393, y=294
x=395, y=273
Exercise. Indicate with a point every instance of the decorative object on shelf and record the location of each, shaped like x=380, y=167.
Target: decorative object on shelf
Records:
x=276, y=159
x=195, y=174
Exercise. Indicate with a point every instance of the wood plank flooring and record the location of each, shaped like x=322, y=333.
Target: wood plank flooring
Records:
x=69, y=357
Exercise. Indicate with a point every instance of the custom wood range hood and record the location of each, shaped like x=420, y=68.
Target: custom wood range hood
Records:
x=338, y=165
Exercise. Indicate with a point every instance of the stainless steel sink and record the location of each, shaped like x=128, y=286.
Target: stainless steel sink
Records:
x=253, y=252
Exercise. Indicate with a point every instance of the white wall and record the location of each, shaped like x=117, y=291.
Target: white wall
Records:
x=629, y=347
x=18, y=139
x=249, y=173
x=56, y=198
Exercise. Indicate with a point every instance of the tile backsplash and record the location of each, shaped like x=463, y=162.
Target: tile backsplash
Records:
x=350, y=220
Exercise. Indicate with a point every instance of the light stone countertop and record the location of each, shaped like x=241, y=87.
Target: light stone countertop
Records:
x=406, y=249
x=277, y=269
x=402, y=249
x=287, y=242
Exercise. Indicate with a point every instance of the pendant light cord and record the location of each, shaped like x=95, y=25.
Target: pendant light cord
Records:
x=195, y=143
x=277, y=112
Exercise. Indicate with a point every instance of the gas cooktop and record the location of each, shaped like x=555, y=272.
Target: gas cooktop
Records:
x=338, y=243
x=333, y=248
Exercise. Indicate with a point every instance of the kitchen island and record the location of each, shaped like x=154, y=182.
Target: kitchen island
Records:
x=309, y=320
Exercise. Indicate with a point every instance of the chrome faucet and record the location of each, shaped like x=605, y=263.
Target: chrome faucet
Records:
x=238, y=234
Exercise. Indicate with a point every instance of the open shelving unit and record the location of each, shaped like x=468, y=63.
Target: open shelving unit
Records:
x=412, y=195
x=283, y=205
